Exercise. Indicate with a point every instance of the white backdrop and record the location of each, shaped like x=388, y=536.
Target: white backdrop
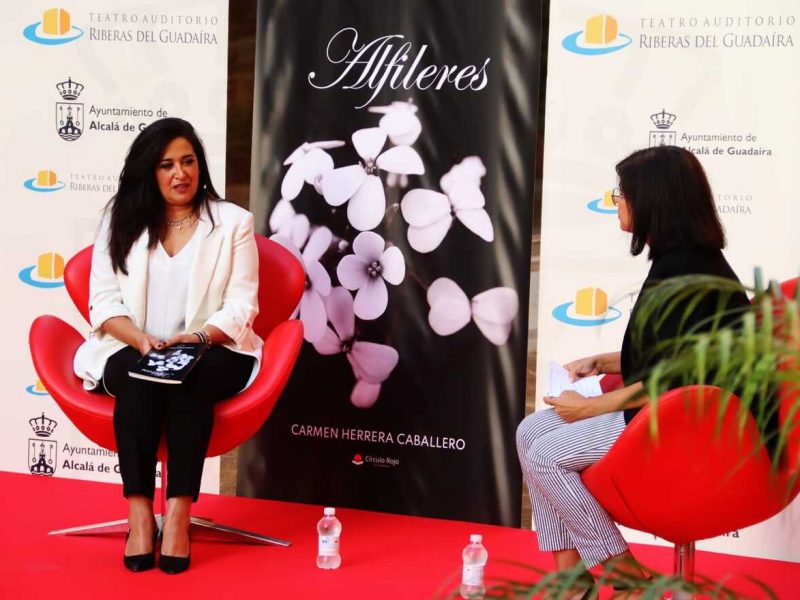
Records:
x=715, y=77
x=114, y=67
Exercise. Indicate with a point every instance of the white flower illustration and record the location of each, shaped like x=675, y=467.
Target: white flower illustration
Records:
x=286, y=223
x=360, y=183
x=309, y=163
x=366, y=271
x=318, y=282
x=372, y=363
x=493, y=310
x=399, y=121
x=430, y=214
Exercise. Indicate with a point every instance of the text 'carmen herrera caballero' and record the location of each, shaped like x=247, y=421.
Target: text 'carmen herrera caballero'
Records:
x=378, y=437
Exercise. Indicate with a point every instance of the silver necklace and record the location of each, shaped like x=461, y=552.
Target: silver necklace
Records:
x=183, y=223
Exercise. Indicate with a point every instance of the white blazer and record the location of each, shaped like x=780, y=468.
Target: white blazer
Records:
x=223, y=288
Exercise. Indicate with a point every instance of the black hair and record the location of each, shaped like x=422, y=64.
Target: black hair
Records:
x=670, y=201
x=138, y=204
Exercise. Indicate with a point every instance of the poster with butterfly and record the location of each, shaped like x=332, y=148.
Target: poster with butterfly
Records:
x=394, y=153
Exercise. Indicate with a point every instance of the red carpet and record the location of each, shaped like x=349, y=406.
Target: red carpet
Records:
x=382, y=555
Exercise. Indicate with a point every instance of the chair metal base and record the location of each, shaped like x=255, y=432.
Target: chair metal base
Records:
x=217, y=531
x=683, y=557
x=201, y=528
x=109, y=527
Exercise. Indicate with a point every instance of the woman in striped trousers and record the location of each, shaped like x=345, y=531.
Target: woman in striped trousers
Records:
x=664, y=200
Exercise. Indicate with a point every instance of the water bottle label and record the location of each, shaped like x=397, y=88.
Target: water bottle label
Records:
x=472, y=575
x=328, y=545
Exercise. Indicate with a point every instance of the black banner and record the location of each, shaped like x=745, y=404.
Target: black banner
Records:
x=415, y=233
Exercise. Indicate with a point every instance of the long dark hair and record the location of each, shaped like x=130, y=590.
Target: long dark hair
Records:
x=138, y=205
x=670, y=201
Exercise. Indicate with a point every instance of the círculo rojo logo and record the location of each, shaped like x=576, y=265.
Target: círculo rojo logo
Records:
x=48, y=272
x=589, y=309
x=604, y=205
x=600, y=35
x=45, y=181
x=54, y=29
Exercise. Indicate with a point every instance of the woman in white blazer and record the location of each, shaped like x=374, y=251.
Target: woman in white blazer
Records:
x=173, y=263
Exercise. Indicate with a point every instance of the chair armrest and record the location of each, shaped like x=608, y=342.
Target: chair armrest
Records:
x=239, y=417
x=53, y=344
x=611, y=382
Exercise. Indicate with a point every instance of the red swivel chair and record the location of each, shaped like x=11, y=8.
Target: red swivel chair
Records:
x=54, y=343
x=701, y=476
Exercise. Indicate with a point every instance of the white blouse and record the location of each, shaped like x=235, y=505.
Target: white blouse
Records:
x=167, y=289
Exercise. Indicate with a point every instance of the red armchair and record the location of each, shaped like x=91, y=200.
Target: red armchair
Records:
x=688, y=483
x=53, y=345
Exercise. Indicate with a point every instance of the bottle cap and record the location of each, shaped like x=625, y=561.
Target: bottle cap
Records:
x=475, y=538
x=329, y=511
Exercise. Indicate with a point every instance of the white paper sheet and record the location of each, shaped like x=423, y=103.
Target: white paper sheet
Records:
x=558, y=381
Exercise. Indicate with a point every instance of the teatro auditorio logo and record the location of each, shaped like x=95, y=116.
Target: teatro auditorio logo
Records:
x=600, y=35
x=37, y=389
x=45, y=181
x=603, y=205
x=48, y=272
x=54, y=29
x=589, y=309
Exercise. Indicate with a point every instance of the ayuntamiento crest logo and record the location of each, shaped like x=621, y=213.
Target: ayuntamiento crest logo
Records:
x=69, y=115
x=48, y=272
x=600, y=35
x=42, y=452
x=45, y=181
x=663, y=136
x=589, y=309
x=54, y=29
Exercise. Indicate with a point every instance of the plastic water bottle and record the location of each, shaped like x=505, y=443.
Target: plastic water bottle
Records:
x=475, y=557
x=329, y=529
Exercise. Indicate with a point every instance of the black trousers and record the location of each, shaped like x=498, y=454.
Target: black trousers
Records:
x=185, y=413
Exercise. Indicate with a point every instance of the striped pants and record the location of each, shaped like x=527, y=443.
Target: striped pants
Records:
x=552, y=453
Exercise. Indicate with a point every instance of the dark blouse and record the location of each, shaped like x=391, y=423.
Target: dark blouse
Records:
x=635, y=362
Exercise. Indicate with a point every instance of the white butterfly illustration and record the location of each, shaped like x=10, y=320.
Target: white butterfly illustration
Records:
x=309, y=163
x=493, y=310
x=360, y=183
x=430, y=214
x=372, y=363
x=469, y=170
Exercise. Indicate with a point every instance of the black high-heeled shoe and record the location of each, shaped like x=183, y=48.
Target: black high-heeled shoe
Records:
x=172, y=565
x=141, y=562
